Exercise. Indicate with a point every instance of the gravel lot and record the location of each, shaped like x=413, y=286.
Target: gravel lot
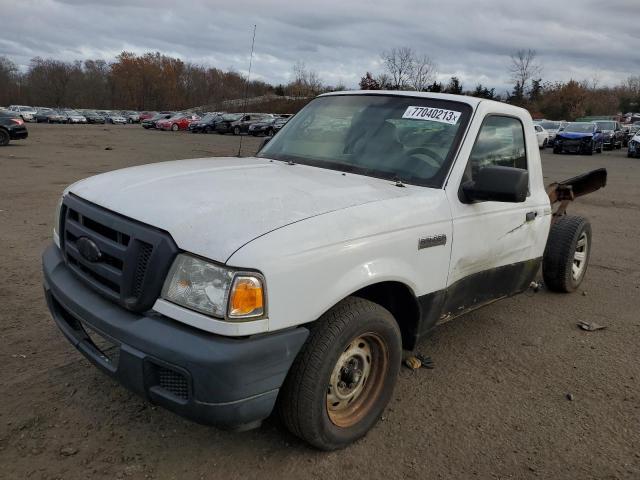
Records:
x=495, y=406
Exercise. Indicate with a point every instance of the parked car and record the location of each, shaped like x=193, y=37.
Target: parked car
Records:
x=147, y=115
x=131, y=116
x=27, y=114
x=206, y=124
x=180, y=121
x=12, y=127
x=73, y=116
x=542, y=135
x=612, y=134
x=238, y=123
x=300, y=275
x=152, y=122
x=115, y=118
x=94, y=117
x=42, y=115
x=267, y=127
x=633, y=149
x=279, y=123
x=57, y=116
x=630, y=132
x=579, y=137
x=552, y=127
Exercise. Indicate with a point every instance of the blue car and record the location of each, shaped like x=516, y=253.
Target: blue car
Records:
x=580, y=138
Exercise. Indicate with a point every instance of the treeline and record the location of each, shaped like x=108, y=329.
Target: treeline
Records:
x=153, y=81
x=138, y=82
x=405, y=69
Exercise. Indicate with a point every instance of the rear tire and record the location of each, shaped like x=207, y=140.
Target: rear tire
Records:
x=567, y=253
x=4, y=138
x=343, y=378
x=175, y=127
x=236, y=130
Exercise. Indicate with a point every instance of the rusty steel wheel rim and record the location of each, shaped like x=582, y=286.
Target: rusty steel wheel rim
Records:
x=357, y=379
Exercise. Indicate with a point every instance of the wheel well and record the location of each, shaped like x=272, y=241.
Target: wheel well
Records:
x=401, y=302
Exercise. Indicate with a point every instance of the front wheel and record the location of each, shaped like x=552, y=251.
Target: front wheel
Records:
x=175, y=127
x=343, y=378
x=567, y=253
x=236, y=130
x=4, y=138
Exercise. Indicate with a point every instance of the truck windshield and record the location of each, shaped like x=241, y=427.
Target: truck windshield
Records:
x=410, y=139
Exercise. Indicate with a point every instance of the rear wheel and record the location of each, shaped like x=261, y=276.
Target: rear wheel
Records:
x=343, y=378
x=175, y=127
x=567, y=253
x=207, y=129
x=4, y=138
x=236, y=130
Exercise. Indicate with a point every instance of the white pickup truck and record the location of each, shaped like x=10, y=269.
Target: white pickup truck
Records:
x=222, y=288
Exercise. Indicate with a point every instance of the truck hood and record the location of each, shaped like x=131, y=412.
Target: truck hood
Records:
x=214, y=206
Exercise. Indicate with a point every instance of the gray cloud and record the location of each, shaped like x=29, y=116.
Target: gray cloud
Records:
x=582, y=39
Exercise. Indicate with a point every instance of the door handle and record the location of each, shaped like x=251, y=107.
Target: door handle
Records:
x=530, y=216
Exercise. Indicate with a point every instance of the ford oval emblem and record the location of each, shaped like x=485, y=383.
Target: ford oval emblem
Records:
x=88, y=249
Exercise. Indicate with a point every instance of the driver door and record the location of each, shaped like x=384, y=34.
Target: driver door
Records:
x=497, y=246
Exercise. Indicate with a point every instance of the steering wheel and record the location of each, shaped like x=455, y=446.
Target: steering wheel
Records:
x=434, y=160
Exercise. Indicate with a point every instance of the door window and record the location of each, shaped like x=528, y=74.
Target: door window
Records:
x=500, y=142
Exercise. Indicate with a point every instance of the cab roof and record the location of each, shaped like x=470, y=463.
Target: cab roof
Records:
x=472, y=101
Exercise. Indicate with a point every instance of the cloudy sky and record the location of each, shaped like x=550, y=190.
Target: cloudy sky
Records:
x=340, y=40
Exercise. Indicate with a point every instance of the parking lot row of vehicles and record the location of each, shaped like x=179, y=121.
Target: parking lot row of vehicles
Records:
x=69, y=115
x=584, y=137
x=220, y=122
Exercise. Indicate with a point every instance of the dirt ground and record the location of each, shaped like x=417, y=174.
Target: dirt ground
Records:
x=495, y=406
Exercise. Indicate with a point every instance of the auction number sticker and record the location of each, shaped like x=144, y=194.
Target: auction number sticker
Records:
x=434, y=114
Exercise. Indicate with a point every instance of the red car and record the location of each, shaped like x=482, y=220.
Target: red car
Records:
x=180, y=121
x=147, y=115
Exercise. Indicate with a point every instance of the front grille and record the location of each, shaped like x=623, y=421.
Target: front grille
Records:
x=173, y=382
x=132, y=258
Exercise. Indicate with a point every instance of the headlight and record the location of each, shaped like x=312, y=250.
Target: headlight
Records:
x=56, y=222
x=213, y=289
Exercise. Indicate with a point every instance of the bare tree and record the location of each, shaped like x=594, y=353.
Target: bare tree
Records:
x=424, y=71
x=384, y=80
x=524, y=66
x=399, y=64
x=306, y=82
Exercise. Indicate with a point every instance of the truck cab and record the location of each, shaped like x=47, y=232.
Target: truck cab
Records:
x=218, y=287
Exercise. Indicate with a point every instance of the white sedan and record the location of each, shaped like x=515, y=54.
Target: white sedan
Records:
x=542, y=135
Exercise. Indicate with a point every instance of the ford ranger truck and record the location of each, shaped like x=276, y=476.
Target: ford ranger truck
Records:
x=226, y=288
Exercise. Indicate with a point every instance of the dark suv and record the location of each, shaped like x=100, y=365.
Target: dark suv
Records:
x=238, y=123
x=207, y=124
x=11, y=128
x=612, y=134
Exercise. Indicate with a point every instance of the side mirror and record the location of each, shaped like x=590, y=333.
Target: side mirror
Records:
x=498, y=184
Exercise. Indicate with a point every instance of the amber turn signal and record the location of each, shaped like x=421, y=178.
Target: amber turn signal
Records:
x=247, y=298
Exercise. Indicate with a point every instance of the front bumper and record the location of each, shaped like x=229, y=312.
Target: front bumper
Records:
x=18, y=132
x=231, y=382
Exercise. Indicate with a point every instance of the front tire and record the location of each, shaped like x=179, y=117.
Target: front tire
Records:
x=567, y=253
x=175, y=127
x=4, y=138
x=342, y=380
x=236, y=130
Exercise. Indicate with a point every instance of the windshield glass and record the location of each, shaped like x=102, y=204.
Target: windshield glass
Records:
x=411, y=139
x=579, y=127
x=550, y=125
x=606, y=125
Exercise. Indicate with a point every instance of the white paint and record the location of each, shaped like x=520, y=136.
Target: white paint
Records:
x=319, y=235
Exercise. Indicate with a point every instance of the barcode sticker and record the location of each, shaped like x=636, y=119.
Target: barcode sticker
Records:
x=433, y=114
